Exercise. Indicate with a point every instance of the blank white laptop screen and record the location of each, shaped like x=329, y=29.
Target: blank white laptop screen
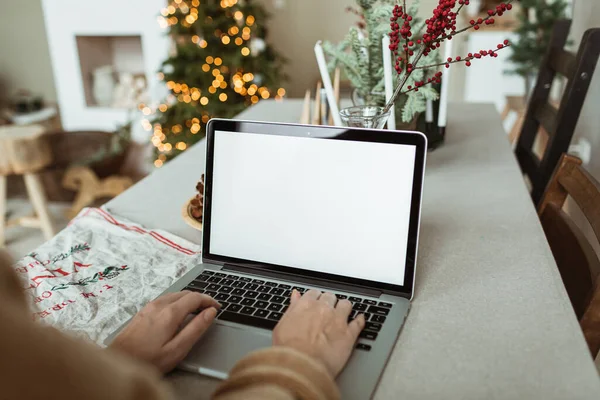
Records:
x=332, y=206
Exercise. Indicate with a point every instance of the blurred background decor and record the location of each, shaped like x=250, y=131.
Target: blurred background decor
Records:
x=26, y=108
x=533, y=36
x=193, y=211
x=94, y=48
x=103, y=154
x=360, y=56
x=220, y=64
x=103, y=85
x=415, y=45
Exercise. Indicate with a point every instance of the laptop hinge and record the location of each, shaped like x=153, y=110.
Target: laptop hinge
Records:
x=345, y=287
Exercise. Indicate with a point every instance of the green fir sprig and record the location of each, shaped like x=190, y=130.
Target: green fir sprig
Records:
x=360, y=57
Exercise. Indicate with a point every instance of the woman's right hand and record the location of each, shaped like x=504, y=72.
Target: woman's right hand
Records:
x=317, y=324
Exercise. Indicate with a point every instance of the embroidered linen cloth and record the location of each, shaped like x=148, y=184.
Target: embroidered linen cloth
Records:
x=100, y=271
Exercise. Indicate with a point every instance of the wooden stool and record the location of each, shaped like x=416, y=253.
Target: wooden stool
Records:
x=25, y=151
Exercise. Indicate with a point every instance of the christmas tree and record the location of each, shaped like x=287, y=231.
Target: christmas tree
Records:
x=220, y=65
x=534, y=34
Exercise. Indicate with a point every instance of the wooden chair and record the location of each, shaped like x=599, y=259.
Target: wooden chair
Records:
x=24, y=151
x=575, y=257
x=558, y=123
x=514, y=104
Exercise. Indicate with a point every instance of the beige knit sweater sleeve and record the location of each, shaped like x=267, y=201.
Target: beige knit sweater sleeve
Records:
x=38, y=362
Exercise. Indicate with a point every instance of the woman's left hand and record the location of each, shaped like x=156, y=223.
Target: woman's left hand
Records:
x=155, y=334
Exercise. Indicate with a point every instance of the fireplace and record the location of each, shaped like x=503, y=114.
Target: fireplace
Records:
x=105, y=57
x=112, y=70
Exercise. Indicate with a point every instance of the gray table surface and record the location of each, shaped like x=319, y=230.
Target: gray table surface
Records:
x=490, y=318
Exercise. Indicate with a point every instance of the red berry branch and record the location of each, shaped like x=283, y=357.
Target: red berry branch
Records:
x=440, y=27
x=470, y=57
x=407, y=20
x=403, y=32
x=436, y=79
x=489, y=20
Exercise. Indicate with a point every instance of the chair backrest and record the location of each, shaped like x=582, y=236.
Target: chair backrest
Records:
x=558, y=123
x=574, y=255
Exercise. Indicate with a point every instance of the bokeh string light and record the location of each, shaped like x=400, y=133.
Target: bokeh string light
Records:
x=225, y=82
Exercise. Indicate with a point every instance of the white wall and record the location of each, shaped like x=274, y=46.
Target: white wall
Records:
x=295, y=28
x=24, y=56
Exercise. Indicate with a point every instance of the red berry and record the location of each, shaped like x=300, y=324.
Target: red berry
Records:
x=506, y=42
x=468, y=63
x=458, y=58
x=476, y=27
x=509, y=6
x=447, y=65
x=500, y=46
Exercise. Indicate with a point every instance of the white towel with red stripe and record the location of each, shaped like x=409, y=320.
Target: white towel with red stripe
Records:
x=99, y=271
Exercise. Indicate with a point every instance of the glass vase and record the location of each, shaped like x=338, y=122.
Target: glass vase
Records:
x=371, y=117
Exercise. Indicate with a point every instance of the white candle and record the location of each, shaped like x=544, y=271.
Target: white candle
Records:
x=387, y=76
x=443, y=114
x=324, y=109
x=429, y=112
x=335, y=112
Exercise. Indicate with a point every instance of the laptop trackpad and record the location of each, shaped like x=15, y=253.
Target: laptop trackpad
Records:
x=222, y=346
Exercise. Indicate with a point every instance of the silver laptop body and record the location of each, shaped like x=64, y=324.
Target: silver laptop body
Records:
x=237, y=330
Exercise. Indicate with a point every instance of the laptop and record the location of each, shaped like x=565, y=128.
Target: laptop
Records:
x=294, y=206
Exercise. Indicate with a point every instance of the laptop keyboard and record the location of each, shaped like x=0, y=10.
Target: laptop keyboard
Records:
x=262, y=303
